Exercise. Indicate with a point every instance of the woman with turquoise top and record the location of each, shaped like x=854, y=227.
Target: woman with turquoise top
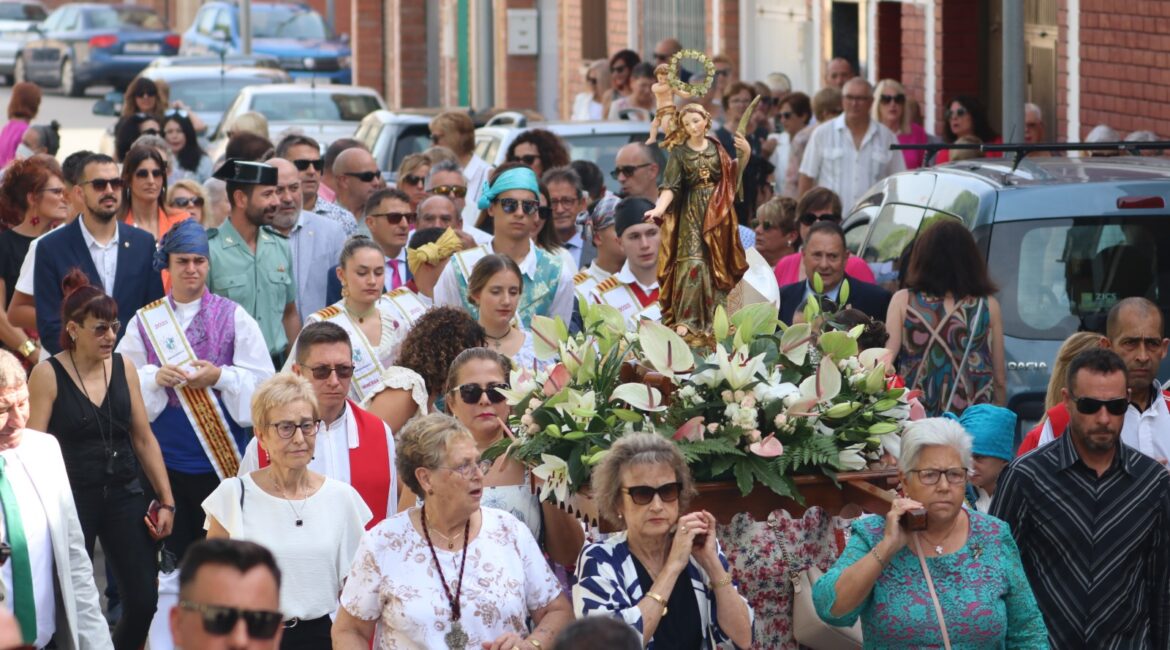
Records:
x=974, y=564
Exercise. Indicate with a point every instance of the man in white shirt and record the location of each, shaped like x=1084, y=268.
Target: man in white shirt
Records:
x=634, y=289
x=851, y=152
x=567, y=199
x=348, y=448
x=48, y=580
x=357, y=177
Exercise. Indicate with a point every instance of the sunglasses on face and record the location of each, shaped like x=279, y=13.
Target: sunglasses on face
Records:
x=661, y=57
x=55, y=191
x=808, y=218
x=470, y=393
x=188, y=201
x=644, y=494
x=723, y=73
x=786, y=115
x=304, y=163
x=411, y=179
x=764, y=225
x=529, y=160
x=321, y=373
x=618, y=69
x=101, y=184
x=287, y=430
x=393, y=218
x=458, y=191
x=435, y=137
x=957, y=112
x=510, y=205
x=365, y=177
x=101, y=328
x=147, y=173
x=626, y=170
x=1090, y=406
x=955, y=475
x=896, y=99
x=219, y=621
x=147, y=93
x=591, y=81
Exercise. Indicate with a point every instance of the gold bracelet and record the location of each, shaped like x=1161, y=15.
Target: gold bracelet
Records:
x=722, y=582
x=534, y=643
x=877, y=556
x=659, y=599
x=27, y=348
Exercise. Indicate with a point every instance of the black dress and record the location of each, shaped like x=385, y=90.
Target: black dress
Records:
x=681, y=628
x=13, y=250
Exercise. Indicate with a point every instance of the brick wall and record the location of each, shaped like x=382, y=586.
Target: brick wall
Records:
x=913, y=35
x=617, y=15
x=1061, y=132
x=515, y=75
x=889, y=40
x=571, y=74
x=369, y=35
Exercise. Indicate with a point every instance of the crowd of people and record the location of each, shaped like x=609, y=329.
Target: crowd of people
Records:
x=264, y=385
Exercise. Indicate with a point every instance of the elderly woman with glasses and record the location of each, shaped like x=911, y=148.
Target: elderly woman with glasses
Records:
x=664, y=574
x=958, y=582
x=449, y=573
x=311, y=523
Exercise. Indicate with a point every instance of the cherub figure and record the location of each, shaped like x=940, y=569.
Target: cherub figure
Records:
x=664, y=110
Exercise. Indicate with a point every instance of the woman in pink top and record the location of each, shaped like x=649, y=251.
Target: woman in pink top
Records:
x=22, y=110
x=817, y=204
x=889, y=108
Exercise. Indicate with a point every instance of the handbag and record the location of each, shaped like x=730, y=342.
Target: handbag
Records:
x=808, y=629
x=942, y=622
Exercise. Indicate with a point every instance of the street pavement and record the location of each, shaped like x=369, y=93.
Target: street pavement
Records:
x=80, y=128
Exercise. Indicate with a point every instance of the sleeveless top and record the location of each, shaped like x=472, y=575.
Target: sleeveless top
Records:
x=95, y=439
x=933, y=343
x=516, y=500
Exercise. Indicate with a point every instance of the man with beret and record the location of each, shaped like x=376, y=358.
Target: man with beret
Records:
x=199, y=358
x=634, y=289
x=251, y=264
x=993, y=430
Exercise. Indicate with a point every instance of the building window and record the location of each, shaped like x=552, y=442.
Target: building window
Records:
x=685, y=20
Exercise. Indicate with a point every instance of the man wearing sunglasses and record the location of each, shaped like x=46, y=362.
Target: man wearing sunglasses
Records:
x=230, y=598
x=115, y=256
x=356, y=177
x=446, y=179
x=636, y=168
x=389, y=218
x=1089, y=514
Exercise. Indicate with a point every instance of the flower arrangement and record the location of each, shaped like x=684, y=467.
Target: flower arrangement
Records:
x=699, y=89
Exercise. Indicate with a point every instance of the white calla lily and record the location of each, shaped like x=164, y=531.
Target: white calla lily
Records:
x=640, y=396
x=555, y=473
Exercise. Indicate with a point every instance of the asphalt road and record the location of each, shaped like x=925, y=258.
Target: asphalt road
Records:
x=80, y=128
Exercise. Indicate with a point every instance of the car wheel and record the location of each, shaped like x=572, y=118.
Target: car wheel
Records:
x=69, y=84
x=18, y=72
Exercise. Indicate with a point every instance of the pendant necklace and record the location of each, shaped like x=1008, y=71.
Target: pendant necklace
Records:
x=938, y=548
x=450, y=540
x=497, y=341
x=300, y=520
x=457, y=638
x=108, y=445
x=361, y=318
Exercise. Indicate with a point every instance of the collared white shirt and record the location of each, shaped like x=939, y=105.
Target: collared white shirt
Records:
x=105, y=257
x=478, y=235
x=388, y=279
x=626, y=276
x=780, y=156
x=476, y=172
x=832, y=160
x=597, y=272
x=574, y=246
x=1149, y=430
x=40, y=546
x=331, y=454
x=448, y=293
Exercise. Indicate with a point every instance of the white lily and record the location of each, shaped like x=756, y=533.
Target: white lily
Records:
x=738, y=370
x=522, y=383
x=555, y=474
x=582, y=407
x=851, y=458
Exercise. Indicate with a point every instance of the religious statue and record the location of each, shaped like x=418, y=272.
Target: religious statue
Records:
x=664, y=108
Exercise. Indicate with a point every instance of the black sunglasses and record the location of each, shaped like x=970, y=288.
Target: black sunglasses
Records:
x=809, y=218
x=103, y=328
x=219, y=621
x=187, y=201
x=146, y=93
x=148, y=132
x=365, y=177
x=470, y=393
x=786, y=115
x=394, y=217
x=411, y=179
x=661, y=57
x=1089, y=405
x=897, y=99
x=618, y=69
x=529, y=160
x=510, y=205
x=343, y=371
x=626, y=170
x=590, y=80
x=101, y=184
x=958, y=112
x=304, y=163
x=644, y=494
x=147, y=173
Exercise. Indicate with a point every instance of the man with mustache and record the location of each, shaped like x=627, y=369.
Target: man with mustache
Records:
x=251, y=264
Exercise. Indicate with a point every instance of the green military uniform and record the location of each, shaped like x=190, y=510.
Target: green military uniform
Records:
x=261, y=282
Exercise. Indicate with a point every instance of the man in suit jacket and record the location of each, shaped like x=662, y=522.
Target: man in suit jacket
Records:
x=67, y=609
x=115, y=256
x=568, y=201
x=825, y=253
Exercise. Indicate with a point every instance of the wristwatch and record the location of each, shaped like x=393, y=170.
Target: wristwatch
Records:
x=27, y=348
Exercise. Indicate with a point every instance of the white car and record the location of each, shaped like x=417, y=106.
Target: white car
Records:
x=15, y=20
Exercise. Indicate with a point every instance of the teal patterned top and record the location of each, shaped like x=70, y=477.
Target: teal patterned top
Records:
x=985, y=596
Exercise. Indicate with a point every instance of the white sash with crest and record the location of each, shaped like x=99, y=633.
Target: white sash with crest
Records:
x=467, y=259
x=200, y=405
x=584, y=283
x=620, y=296
x=367, y=369
x=406, y=303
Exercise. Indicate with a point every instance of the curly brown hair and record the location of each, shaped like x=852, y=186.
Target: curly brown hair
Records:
x=552, y=150
x=434, y=342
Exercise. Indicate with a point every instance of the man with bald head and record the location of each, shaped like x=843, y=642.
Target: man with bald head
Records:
x=357, y=177
x=438, y=211
x=837, y=72
x=665, y=50
x=636, y=168
x=314, y=240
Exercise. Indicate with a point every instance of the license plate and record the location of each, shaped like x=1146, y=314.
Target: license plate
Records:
x=144, y=48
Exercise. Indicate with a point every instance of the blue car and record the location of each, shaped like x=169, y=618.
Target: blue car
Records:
x=82, y=45
x=295, y=34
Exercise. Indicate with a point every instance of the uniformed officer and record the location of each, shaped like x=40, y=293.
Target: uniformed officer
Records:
x=250, y=262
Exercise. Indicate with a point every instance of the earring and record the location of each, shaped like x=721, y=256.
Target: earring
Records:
x=431, y=492
x=344, y=291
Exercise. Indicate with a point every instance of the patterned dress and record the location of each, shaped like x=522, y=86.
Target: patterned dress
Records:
x=933, y=342
x=985, y=596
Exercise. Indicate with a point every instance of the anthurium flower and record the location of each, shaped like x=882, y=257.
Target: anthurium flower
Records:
x=819, y=388
x=558, y=378
x=665, y=350
x=691, y=430
x=768, y=447
x=795, y=341
x=640, y=396
x=547, y=336
x=555, y=473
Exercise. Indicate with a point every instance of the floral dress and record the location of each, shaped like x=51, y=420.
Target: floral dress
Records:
x=932, y=352
x=985, y=596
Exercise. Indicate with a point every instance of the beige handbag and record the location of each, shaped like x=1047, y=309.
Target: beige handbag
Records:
x=808, y=629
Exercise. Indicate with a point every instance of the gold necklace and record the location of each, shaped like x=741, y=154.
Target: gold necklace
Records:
x=450, y=540
x=361, y=318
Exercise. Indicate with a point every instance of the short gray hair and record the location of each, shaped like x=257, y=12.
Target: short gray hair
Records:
x=637, y=449
x=1033, y=108
x=934, y=432
x=11, y=372
x=442, y=166
x=564, y=175
x=424, y=442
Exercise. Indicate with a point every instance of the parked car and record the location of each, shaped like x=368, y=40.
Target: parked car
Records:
x=293, y=33
x=392, y=136
x=217, y=60
x=16, y=19
x=596, y=141
x=324, y=113
x=82, y=45
x=1065, y=240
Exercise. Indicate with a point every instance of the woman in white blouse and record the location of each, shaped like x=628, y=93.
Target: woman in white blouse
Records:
x=311, y=523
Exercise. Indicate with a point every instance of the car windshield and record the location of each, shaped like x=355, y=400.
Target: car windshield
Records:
x=288, y=22
x=1063, y=275
x=316, y=106
x=123, y=18
x=211, y=95
x=601, y=149
x=18, y=11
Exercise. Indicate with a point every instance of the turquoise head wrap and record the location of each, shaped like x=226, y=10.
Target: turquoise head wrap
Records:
x=518, y=178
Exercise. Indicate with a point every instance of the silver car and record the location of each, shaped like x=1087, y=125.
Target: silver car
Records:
x=16, y=19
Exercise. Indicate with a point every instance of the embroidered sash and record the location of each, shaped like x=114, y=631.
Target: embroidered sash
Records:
x=407, y=304
x=617, y=294
x=367, y=368
x=584, y=283
x=539, y=291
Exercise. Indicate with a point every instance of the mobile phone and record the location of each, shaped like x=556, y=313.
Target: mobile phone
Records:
x=913, y=519
x=152, y=512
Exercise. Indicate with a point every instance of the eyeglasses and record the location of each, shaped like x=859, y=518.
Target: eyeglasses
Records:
x=470, y=393
x=187, y=201
x=458, y=191
x=955, y=475
x=529, y=160
x=896, y=99
x=320, y=373
x=786, y=115
x=661, y=57
x=149, y=132
x=564, y=203
x=101, y=184
x=767, y=101
x=510, y=205
x=365, y=177
x=102, y=328
x=467, y=470
x=958, y=112
x=55, y=191
x=435, y=137
x=219, y=621
x=173, y=112
x=304, y=163
x=591, y=80
x=808, y=218
x=626, y=170
x=411, y=179
x=618, y=69
x=147, y=173
x=394, y=217
x=644, y=494
x=286, y=429
x=146, y=93
x=544, y=212
x=1089, y=405
x=764, y=225
x=857, y=98
x=723, y=72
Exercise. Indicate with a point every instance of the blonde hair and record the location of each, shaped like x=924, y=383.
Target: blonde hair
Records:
x=1072, y=346
x=896, y=88
x=679, y=134
x=424, y=442
x=278, y=390
x=251, y=122
x=195, y=188
x=637, y=449
x=778, y=211
x=460, y=124
x=412, y=162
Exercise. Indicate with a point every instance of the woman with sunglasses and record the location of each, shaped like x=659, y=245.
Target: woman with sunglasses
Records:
x=130, y=129
x=664, y=574
x=817, y=204
x=621, y=66
x=190, y=197
x=412, y=178
x=966, y=117
x=311, y=523
x=89, y=398
x=144, y=190
x=449, y=573
x=589, y=105
x=887, y=575
x=539, y=150
x=889, y=108
x=192, y=161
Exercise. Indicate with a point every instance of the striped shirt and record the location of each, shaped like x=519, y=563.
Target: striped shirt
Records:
x=1095, y=549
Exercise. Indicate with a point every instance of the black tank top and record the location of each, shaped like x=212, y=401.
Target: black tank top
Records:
x=95, y=440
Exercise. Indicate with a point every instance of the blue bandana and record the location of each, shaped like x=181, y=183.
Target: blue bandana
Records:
x=187, y=236
x=518, y=178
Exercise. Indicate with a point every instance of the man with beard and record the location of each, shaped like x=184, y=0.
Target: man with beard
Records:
x=1090, y=514
x=115, y=256
x=250, y=262
x=314, y=241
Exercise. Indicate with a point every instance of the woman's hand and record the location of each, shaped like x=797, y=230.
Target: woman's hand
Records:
x=741, y=146
x=688, y=528
x=507, y=641
x=895, y=534
x=707, y=553
x=654, y=216
x=166, y=519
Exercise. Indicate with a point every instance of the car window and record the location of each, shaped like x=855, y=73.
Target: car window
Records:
x=211, y=95
x=893, y=230
x=70, y=20
x=18, y=11
x=601, y=149
x=139, y=18
x=206, y=21
x=53, y=22
x=414, y=138
x=486, y=146
x=1063, y=275
x=314, y=106
x=223, y=22
x=288, y=22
